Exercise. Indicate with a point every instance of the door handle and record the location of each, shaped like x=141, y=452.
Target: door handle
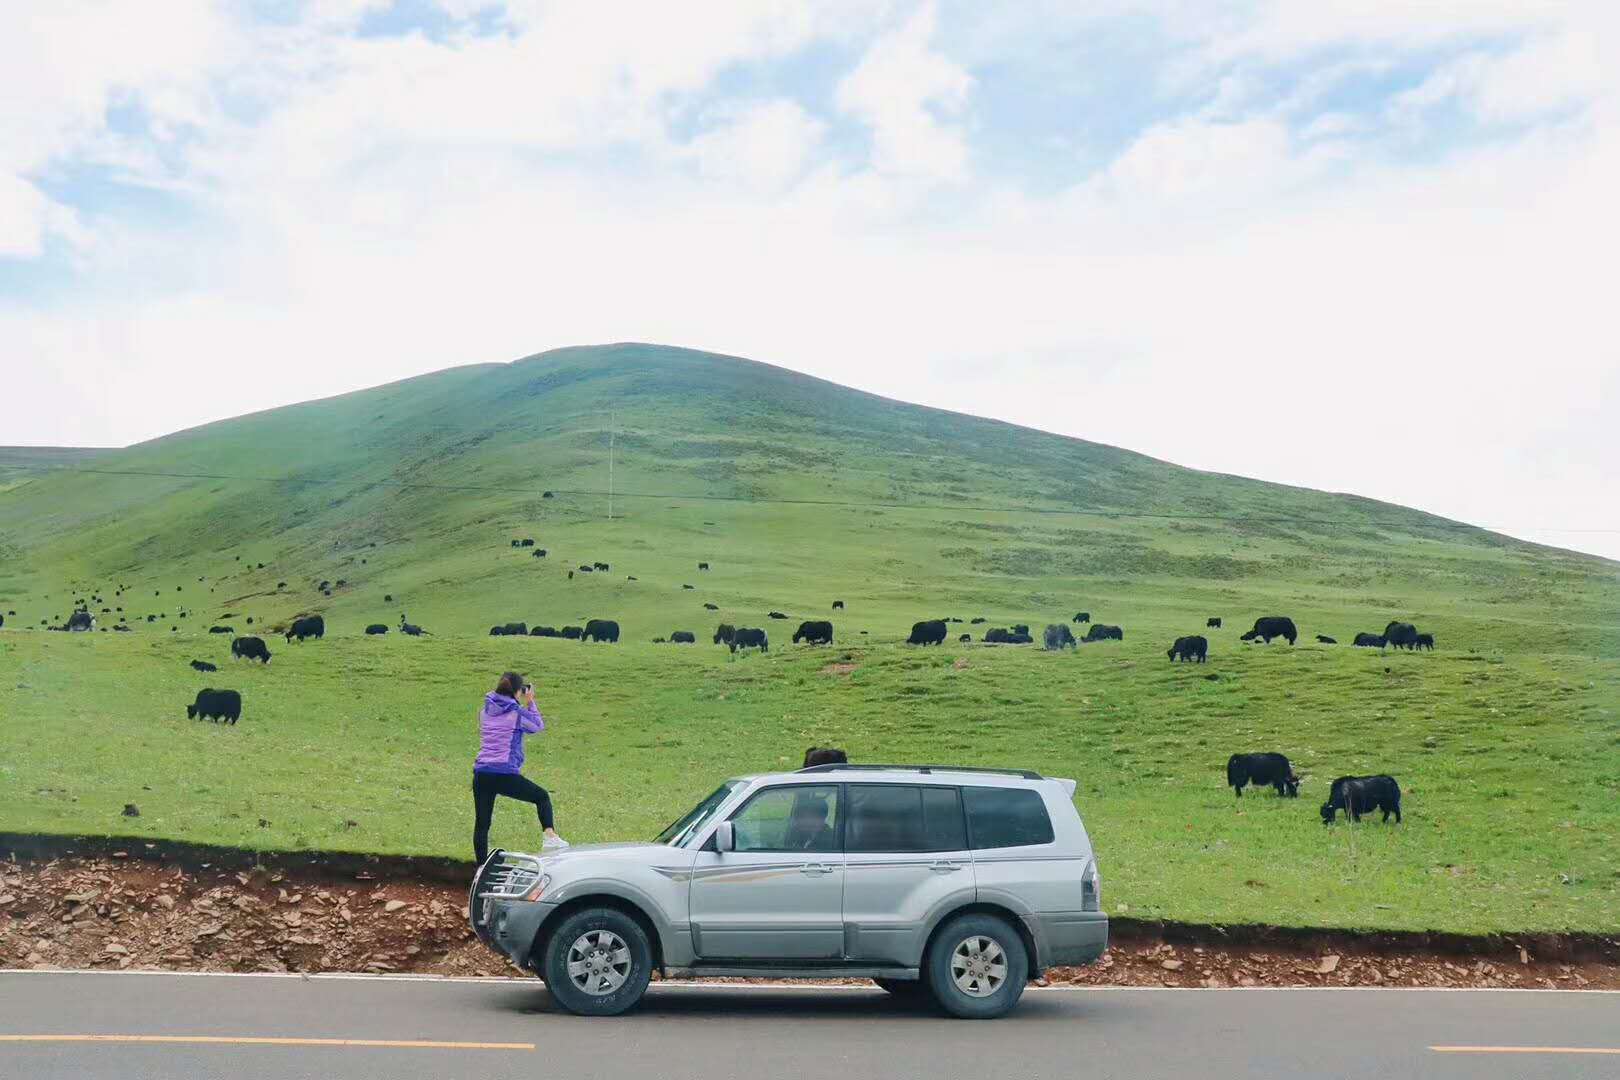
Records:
x=944, y=867
x=815, y=868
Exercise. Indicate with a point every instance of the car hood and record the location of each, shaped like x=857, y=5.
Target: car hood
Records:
x=634, y=851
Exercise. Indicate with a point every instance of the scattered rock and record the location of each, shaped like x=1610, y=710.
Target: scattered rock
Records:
x=1329, y=964
x=394, y=905
x=1171, y=965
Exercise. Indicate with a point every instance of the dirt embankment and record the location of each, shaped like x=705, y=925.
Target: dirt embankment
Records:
x=140, y=909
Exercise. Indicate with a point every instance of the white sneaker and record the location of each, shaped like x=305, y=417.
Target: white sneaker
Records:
x=553, y=843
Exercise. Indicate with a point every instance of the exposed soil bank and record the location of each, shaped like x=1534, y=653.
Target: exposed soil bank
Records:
x=66, y=903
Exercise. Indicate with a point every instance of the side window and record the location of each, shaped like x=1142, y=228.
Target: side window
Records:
x=800, y=817
x=1006, y=817
x=904, y=818
x=942, y=819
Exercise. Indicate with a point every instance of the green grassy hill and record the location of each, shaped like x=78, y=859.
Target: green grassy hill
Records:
x=799, y=492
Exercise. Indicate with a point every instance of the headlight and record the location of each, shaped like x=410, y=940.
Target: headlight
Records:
x=539, y=888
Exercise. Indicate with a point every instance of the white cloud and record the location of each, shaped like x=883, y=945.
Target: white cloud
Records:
x=912, y=97
x=1432, y=332
x=24, y=212
x=763, y=145
x=1548, y=74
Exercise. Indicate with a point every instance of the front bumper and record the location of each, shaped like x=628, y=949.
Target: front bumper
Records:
x=1068, y=938
x=509, y=927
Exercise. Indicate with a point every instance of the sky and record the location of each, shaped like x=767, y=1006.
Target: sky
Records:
x=1359, y=246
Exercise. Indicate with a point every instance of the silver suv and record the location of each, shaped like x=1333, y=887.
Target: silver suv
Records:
x=956, y=883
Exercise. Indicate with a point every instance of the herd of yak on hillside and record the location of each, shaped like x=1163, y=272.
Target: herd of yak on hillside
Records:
x=1354, y=795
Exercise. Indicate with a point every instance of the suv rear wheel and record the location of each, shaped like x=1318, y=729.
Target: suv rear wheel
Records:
x=597, y=962
x=977, y=967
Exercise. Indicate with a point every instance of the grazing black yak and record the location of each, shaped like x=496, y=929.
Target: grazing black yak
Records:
x=217, y=705
x=746, y=638
x=377, y=628
x=1213, y=622
x=1357, y=795
x=1323, y=639
x=1189, y=648
x=927, y=632
x=1270, y=626
x=314, y=626
x=724, y=633
x=683, y=637
x=203, y=665
x=1260, y=770
x=1369, y=641
x=1082, y=617
x=824, y=755
x=815, y=632
x=1402, y=635
x=250, y=648
x=1103, y=632
x=605, y=630
x=1059, y=636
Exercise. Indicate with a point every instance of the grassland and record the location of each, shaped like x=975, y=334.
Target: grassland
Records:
x=1507, y=738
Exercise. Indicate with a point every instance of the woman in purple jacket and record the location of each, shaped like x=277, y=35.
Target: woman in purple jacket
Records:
x=509, y=714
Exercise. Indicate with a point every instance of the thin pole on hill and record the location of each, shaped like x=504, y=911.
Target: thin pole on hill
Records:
x=613, y=424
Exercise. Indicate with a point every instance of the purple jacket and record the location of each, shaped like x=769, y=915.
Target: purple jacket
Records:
x=501, y=727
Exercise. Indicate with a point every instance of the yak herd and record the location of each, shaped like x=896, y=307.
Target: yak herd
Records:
x=1352, y=795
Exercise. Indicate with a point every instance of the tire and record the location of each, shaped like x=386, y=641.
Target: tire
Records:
x=977, y=967
x=616, y=958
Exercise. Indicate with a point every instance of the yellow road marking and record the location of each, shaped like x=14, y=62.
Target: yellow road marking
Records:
x=261, y=1040
x=1525, y=1049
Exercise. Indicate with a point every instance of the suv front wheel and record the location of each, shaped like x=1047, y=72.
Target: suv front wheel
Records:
x=977, y=967
x=597, y=962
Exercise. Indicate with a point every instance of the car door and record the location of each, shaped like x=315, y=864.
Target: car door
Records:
x=779, y=895
x=905, y=858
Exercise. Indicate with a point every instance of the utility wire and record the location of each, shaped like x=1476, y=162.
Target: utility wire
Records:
x=1132, y=515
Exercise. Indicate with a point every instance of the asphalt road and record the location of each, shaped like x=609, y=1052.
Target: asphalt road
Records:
x=243, y=1027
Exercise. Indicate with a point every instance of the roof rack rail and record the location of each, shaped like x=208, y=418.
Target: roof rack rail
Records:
x=1027, y=774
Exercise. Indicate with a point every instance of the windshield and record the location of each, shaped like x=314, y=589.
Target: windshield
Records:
x=694, y=819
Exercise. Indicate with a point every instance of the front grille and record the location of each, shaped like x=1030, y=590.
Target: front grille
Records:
x=504, y=876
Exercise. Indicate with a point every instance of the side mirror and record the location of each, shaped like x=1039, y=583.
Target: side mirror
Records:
x=725, y=837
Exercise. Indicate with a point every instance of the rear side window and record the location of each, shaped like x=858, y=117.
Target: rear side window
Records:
x=904, y=818
x=1006, y=817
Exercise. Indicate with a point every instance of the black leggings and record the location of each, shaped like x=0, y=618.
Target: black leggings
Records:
x=514, y=786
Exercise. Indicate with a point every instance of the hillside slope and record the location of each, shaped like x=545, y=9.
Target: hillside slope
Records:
x=792, y=487
x=797, y=493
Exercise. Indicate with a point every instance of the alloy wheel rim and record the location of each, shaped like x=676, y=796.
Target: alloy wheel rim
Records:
x=599, y=962
x=978, y=966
